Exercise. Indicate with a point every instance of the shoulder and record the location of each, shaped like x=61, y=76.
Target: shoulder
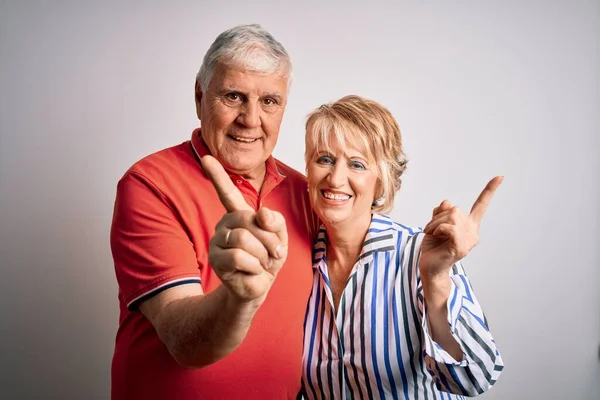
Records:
x=165, y=162
x=172, y=175
x=385, y=222
x=169, y=170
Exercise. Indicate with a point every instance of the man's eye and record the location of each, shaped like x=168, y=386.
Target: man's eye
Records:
x=232, y=97
x=269, y=102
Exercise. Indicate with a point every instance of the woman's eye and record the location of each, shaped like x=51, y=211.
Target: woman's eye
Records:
x=325, y=160
x=357, y=165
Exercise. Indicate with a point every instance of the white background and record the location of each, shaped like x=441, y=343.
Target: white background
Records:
x=479, y=88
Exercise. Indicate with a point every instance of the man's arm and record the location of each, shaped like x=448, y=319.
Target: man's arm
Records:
x=199, y=329
x=246, y=252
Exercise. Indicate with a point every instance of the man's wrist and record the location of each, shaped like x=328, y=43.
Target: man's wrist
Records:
x=237, y=305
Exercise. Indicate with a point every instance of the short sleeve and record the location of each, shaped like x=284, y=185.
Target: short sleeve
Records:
x=150, y=247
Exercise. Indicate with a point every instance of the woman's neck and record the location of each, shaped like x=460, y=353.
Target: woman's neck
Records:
x=345, y=241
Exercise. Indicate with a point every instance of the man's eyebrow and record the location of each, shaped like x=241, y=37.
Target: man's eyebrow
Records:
x=273, y=94
x=277, y=96
x=232, y=89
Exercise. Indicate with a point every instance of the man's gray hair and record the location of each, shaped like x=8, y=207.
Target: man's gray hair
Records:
x=248, y=47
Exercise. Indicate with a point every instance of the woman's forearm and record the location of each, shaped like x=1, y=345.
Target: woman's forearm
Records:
x=436, y=291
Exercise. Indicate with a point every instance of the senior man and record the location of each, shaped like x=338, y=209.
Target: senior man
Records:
x=199, y=320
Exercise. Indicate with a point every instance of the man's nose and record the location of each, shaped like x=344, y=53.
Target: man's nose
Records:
x=250, y=115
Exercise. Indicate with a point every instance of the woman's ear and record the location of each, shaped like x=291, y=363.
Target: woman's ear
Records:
x=379, y=190
x=379, y=194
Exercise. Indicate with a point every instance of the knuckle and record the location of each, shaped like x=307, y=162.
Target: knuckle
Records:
x=213, y=260
x=242, y=235
x=237, y=215
x=247, y=214
x=454, y=232
x=222, y=222
x=237, y=256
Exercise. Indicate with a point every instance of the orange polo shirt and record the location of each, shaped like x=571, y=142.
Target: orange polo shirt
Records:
x=165, y=213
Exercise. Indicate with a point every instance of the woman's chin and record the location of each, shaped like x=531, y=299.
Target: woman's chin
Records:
x=333, y=218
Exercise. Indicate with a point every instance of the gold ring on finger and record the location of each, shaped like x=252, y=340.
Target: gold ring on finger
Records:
x=227, y=238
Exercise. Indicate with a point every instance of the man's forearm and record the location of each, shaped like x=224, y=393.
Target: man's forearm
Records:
x=201, y=330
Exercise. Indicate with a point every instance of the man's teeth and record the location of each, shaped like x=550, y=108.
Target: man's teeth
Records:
x=245, y=140
x=336, y=196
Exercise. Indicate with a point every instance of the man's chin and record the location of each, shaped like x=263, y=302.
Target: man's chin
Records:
x=244, y=166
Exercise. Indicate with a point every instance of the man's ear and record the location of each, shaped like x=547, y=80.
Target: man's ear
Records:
x=198, y=97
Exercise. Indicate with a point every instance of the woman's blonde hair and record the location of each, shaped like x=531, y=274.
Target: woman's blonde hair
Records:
x=367, y=126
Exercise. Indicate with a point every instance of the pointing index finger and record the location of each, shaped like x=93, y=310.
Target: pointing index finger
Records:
x=483, y=201
x=230, y=196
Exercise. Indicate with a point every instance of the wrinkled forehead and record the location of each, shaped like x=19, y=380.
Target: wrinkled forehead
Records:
x=245, y=79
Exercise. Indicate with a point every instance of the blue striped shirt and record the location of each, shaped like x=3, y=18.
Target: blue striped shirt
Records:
x=378, y=345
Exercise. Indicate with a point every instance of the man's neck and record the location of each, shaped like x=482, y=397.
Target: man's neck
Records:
x=256, y=178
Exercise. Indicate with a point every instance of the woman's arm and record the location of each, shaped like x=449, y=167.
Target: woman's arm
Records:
x=459, y=349
x=460, y=352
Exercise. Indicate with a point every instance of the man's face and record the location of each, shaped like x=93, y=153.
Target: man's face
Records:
x=240, y=115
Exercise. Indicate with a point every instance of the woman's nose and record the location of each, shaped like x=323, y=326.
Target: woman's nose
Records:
x=337, y=176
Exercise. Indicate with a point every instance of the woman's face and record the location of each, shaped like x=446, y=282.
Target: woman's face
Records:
x=341, y=186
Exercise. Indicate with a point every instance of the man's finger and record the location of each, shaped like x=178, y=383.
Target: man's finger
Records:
x=249, y=220
x=230, y=196
x=244, y=262
x=483, y=201
x=273, y=221
x=243, y=239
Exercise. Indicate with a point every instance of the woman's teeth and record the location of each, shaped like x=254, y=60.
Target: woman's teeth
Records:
x=336, y=196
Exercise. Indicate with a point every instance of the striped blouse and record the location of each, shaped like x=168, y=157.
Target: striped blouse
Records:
x=378, y=345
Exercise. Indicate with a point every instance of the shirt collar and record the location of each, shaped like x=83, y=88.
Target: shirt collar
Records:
x=380, y=238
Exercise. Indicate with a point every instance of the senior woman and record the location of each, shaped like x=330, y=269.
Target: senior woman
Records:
x=392, y=313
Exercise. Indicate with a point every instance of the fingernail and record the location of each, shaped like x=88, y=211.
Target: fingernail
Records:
x=280, y=251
